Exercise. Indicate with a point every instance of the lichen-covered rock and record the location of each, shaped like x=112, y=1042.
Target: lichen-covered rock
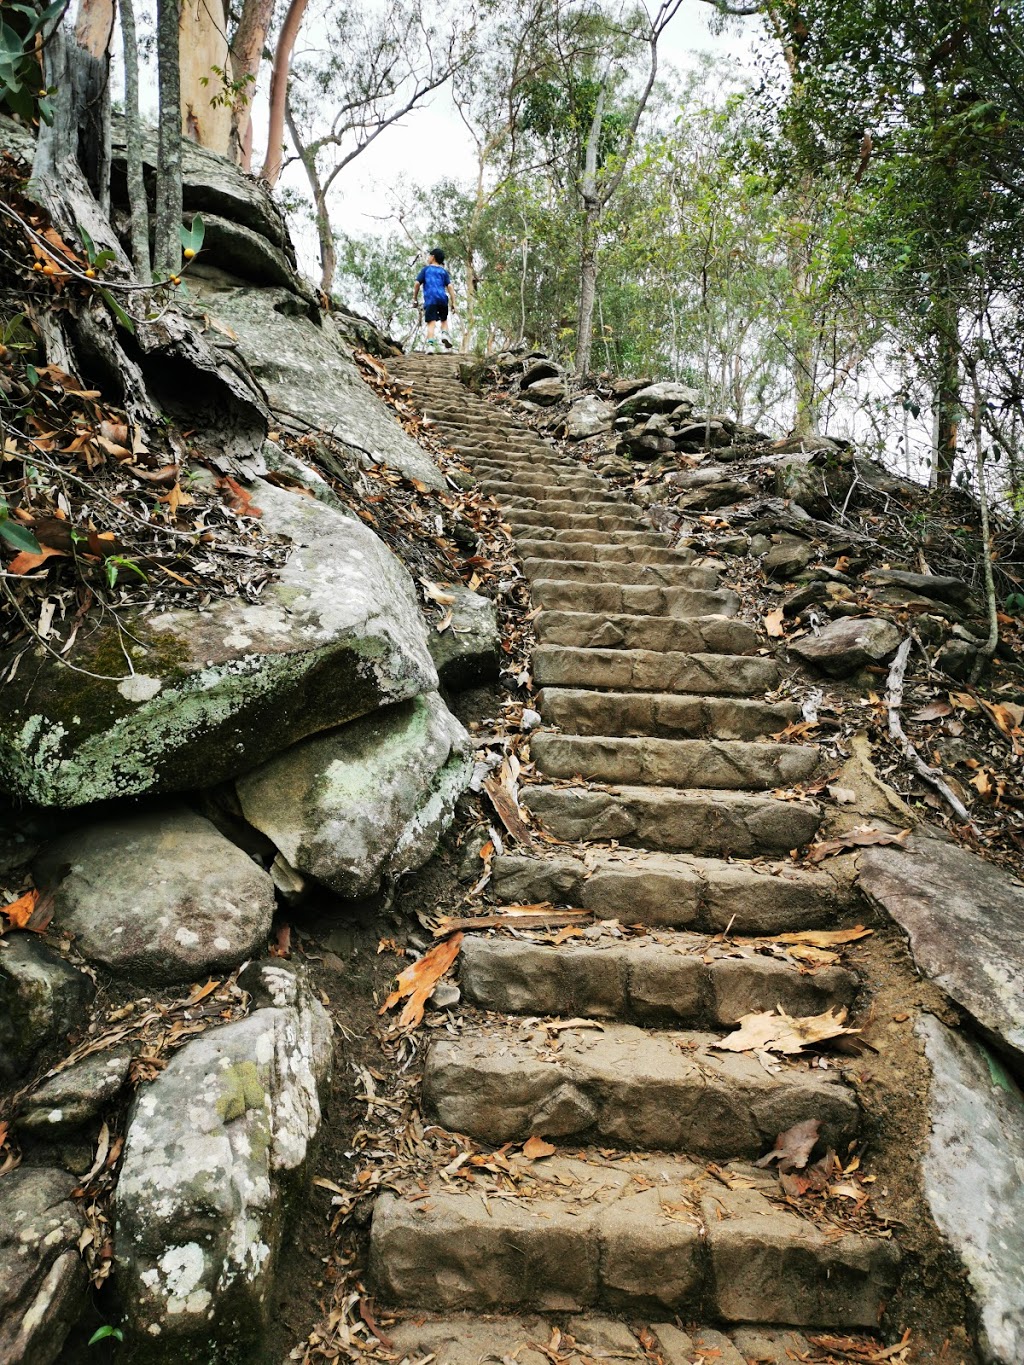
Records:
x=310, y=379
x=158, y=897
x=972, y=1174
x=661, y=397
x=588, y=416
x=467, y=651
x=544, y=392
x=365, y=801
x=843, y=646
x=42, y=1276
x=75, y=1095
x=214, y=692
x=42, y=1000
x=217, y=1147
x=816, y=483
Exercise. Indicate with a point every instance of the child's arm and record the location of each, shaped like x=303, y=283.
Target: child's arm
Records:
x=451, y=295
x=416, y=292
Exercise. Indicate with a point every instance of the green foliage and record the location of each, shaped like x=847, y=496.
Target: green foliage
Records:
x=21, y=77
x=229, y=93
x=106, y=1333
x=14, y=533
x=192, y=238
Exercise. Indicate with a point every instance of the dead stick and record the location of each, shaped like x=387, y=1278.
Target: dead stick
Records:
x=893, y=702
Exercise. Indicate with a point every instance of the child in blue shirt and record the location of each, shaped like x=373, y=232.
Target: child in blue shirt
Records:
x=436, y=284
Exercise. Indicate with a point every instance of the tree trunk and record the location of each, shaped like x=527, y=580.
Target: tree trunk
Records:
x=588, y=241
x=324, y=231
x=202, y=51
x=279, y=88
x=94, y=29
x=137, y=200
x=167, y=248
x=947, y=392
x=246, y=55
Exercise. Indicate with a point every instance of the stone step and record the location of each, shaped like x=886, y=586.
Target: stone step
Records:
x=465, y=1339
x=627, y=1087
x=604, y=552
x=666, y=890
x=672, y=716
x=735, y=824
x=715, y=764
x=647, y=670
x=587, y=503
x=649, y=1237
x=698, y=635
x=645, y=575
x=673, y=979
x=521, y=520
x=551, y=536
x=542, y=491
x=631, y=599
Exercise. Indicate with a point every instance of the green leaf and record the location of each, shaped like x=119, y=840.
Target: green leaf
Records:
x=118, y=312
x=105, y=1332
x=88, y=243
x=19, y=536
x=192, y=238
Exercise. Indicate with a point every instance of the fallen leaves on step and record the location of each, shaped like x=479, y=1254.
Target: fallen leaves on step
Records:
x=536, y=1149
x=793, y=1148
x=418, y=979
x=864, y=836
x=863, y=1350
x=824, y=938
x=777, y=1031
x=773, y=626
x=503, y=793
x=543, y=915
x=437, y=592
x=32, y=911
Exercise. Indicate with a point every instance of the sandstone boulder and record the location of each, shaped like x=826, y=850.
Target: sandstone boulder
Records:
x=972, y=1180
x=76, y=1095
x=306, y=369
x=366, y=801
x=214, y=692
x=815, y=483
x=43, y=1288
x=663, y=397
x=963, y=917
x=843, y=646
x=217, y=1147
x=544, y=392
x=158, y=897
x=43, y=999
x=588, y=416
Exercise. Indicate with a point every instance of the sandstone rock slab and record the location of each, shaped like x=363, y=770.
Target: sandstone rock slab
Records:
x=43, y=1285
x=662, y=397
x=42, y=1000
x=213, y=692
x=588, y=416
x=158, y=897
x=467, y=651
x=217, y=1147
x=75, y=1095
x=963, y=917
x=365, y=801
x=972, y=1180
x=843, y=646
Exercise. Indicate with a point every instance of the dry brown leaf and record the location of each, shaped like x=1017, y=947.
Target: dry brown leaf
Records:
x=26, y=561
x=419, y=979
x=32, y=912
x=856, y=838
x=793, y=1148
x=543, y=916
x=935, y=710
x=824, y=938
x=777, y=1031
x=437, y=592
x=964, y=700
x=502, y=792
x=536, y=1149
x=773, y=626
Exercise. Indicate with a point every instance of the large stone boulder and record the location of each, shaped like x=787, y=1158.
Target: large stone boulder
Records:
x=43, y=1282
x=816, y=482
x=366, y=801
x=963, y=917
x=160, y=897
x=544, y=392
x=214, y=692
x=309, y=376
x=663, y=397
x=217, y=1148
x=843, y=646
x=43, y=999
x=972, y=1174
x=588, y=416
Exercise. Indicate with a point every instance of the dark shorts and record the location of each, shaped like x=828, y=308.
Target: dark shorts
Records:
x=436, y=312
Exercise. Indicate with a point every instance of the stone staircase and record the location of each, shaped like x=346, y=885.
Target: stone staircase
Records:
x=651, y=1208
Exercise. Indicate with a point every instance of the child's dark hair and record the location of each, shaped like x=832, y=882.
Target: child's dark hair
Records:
x=437, y=254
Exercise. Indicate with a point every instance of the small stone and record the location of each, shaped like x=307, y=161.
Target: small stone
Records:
x=75, y=1095
x=587, y=417
x=42, y=1000
x=530, y=719
x=445, y=995
x=787, y=559
x=842, y=647
x=467, y=652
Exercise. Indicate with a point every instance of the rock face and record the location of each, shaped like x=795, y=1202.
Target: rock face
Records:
x=843, y=646
x=663, y=397
x=963, y=916
x=972, y=1179
x=76, y=1095
x=589, y=416
x=216, y=1148
x=365, y=801
x=42, y=999
x=42, y=1276
x=544, y=392
x=309, y=376
x=158, y=897
x=337, y=635
x=467, y=651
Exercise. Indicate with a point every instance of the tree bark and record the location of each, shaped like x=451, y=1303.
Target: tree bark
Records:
x=947, y=393
x=137, y=200
x=167, y=248
x=246, y=55
x=94, y=29
x=588, y=241
x=324, y=231
x=279, y=88
x=202, y=51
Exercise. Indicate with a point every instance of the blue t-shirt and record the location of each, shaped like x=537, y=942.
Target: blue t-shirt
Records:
x=435, y=281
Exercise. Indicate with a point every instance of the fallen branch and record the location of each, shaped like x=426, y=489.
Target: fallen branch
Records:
x=893, y=702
